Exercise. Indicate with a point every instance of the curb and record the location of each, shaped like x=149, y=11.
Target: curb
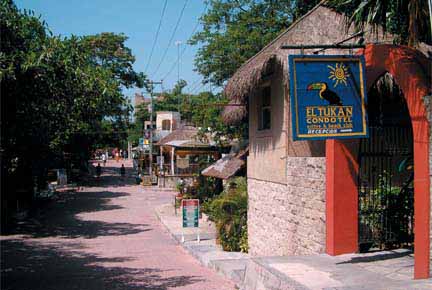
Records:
x=218, y=265
x=165, y=226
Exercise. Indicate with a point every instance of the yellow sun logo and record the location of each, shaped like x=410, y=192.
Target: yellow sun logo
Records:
x=338, y=73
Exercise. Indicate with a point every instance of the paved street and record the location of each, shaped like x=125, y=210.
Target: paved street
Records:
x=104, y=236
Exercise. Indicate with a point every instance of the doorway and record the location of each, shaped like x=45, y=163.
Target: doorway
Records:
x=386, y=171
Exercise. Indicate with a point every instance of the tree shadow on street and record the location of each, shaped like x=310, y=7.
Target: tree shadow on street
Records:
x=59, y=217
x=27, y=265
x=111, y=177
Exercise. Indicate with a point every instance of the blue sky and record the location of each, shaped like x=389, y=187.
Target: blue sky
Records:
x=138, y=19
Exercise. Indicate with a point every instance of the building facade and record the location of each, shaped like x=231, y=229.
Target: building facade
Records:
x=304, y=195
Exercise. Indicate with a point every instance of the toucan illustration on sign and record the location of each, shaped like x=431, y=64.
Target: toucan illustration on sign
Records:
x=325, y=93
x=328, y=96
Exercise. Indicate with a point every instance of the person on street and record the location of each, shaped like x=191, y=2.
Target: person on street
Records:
x=117, y=156
x=122, y=170
x=135, y=163
x=104, y=159
x=98, y=170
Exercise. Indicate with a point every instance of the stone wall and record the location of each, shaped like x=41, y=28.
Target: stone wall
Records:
x=172, y=181
x=289, y=219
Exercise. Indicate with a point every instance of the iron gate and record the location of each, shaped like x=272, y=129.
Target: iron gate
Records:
x=386, y=192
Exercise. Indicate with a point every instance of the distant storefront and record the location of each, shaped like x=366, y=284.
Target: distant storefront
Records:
x=182, y=155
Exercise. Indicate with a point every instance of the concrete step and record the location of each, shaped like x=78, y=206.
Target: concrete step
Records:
x=320, y=272
x=234, y=269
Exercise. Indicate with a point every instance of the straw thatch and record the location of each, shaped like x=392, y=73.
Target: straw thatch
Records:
x=321, y=25
x=184, y=133
x=251, y=74
x=227, y=166
x=224, y=168
x=248, y=77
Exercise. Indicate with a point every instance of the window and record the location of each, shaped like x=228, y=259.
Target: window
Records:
x=264, y=111
x=166, y=125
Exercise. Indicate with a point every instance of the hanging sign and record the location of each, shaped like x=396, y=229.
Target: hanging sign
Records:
x=328, y=96
x=182, y=162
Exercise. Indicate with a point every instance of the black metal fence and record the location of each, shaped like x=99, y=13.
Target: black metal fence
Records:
x=386, y=188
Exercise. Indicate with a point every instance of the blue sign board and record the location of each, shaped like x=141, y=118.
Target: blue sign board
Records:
x=328, y=96
x=190, y=210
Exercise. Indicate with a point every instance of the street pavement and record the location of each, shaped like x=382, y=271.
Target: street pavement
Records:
x=103, y=236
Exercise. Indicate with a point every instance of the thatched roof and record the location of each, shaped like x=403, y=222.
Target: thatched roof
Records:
x=234, y=112
x=184, y=133
x=189, y=144
x=250, y=75
x=227, y=166
x=321, y=25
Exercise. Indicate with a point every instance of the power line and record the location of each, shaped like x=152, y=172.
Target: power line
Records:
x=157, y=34
x=172, y=37
x=185, y=47
x=194, y=85
x=196, y=90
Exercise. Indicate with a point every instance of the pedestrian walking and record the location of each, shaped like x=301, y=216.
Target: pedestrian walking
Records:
x=117, y=156
x=98, y=170
x=104, y=159
x=122, y=170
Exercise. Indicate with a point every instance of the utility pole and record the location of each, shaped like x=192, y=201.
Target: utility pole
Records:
x=151, y=83
x=178, y=43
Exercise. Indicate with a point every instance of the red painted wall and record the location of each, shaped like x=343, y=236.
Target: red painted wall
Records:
x=411, y=70
x=341, y=196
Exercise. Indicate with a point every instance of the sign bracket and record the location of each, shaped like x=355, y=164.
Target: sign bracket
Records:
x=321, y=46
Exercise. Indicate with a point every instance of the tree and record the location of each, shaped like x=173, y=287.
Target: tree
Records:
x=108, y=50
x=179, y=86
x=408, y=20
x=60, y=97
x=202, y=110
x=235, y=30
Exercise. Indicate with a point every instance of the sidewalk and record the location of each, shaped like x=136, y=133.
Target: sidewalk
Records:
x=104, y=236
x=230, y=264
x=381, y=270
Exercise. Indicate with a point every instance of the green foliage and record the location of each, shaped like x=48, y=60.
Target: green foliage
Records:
x=301, y=7
x=202, y=110
x=229, y=212
x=387, y=210
x=207, y=187
x=235, y=30
x=243, y=243
x=409, y=20
x=61, y=97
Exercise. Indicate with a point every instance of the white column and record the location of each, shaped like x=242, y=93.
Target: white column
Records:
x=172, y=161
x=161, y=156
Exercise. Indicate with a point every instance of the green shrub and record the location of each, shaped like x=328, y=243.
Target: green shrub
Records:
x=229, y=212
x=244, y=246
